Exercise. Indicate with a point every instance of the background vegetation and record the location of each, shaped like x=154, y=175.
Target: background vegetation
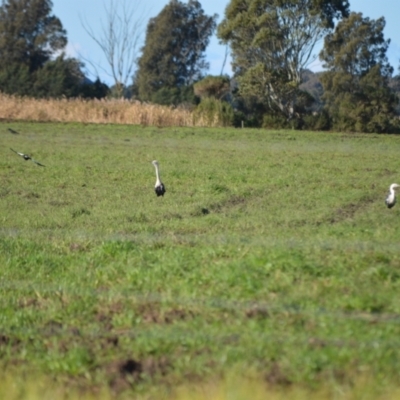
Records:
x=271, y=45
x=271, y=255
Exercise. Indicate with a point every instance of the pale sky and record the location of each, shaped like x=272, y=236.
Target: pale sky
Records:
x=79, y=43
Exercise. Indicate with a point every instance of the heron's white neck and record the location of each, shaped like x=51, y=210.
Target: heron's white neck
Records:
x=157, y=174
x=392, y=187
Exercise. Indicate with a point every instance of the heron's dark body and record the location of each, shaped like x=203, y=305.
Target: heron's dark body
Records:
x=390, y=204
x=160, y=190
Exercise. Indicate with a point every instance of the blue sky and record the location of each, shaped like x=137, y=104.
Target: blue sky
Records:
x=71, y=12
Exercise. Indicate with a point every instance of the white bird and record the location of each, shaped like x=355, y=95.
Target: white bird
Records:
x=26, y=157
x=159, y=186
x=391, y=197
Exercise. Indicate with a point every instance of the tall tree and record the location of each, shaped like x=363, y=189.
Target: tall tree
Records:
x=32, y=62
x=356, y=85
x=30, y=34
x=173, y=54
x=272, y=41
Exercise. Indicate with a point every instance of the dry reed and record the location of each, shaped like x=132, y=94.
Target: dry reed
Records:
x=95, y=111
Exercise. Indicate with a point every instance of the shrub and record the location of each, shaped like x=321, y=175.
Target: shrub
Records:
x=212, y=86
x=275, y=121
x=214, y=112
x=319, y=121
x=174, y=96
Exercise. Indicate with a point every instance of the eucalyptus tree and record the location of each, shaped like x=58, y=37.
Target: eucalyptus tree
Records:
x=356, y=84
x=272, y=41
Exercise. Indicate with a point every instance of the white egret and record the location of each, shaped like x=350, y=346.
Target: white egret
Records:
x=391, y=197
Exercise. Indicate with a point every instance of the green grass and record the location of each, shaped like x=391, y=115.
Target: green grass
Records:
x=272, y=253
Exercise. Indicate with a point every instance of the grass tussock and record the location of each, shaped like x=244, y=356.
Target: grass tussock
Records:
x=97, y=111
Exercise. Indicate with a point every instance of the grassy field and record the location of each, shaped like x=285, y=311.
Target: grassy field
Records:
x=271, y=257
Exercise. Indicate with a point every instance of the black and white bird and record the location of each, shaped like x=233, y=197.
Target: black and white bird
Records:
x=12, y=131
x=391, y=197
x=27, y=157
x=159, y=186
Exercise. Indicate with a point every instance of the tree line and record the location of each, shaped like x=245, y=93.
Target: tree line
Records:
x=32, y=57
x=271, y=43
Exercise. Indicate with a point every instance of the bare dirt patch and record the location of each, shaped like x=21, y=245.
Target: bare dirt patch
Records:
x=348, y=211
x=124, y=374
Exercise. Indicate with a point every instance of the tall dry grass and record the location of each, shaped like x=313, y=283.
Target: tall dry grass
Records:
x=96, y=111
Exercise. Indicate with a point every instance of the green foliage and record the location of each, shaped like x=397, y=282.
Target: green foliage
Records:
x=15, y=79
x=317, y=121
x=356, y=85
x=357, y=45
x=214, y=112
x=248, y=110
x=95, y=90
x=240, y=119
x=173, y=54
x=30, y=33
x=30, y=37
x=275, y=121
x=272, y=43
x=61, y=77
x=212, y=86
x=174, y=96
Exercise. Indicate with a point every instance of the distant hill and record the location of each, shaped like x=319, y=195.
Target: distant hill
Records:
x=312, y=84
